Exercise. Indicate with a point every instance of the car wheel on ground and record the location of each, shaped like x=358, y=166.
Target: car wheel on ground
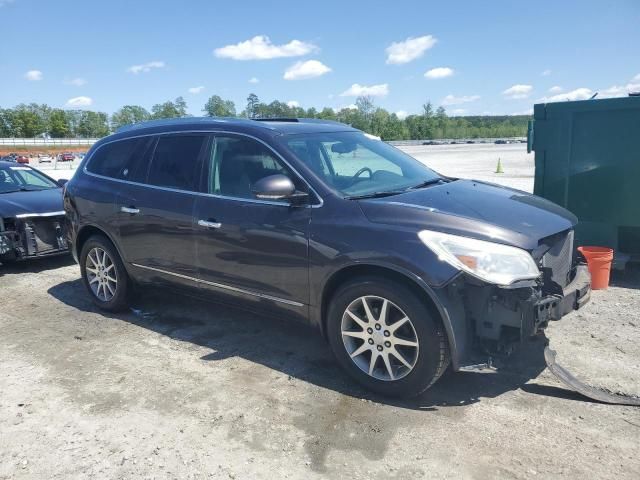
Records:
x=103, y=274
x=386, y=337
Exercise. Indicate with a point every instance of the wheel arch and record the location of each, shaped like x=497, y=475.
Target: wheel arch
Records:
x=86, y=232
x=410, y=280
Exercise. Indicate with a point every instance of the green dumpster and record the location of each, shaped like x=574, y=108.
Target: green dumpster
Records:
x=587, y=156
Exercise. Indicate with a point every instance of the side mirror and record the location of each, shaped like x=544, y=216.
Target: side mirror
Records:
x=62, y=182
x=276, y=187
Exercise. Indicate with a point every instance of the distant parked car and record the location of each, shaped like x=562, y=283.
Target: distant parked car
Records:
x=45, y=159
x=67, y=157
x=22, y=159
x=500, y=142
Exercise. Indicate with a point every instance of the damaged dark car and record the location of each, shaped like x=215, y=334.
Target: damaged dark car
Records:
x=405, y=272
x=31, y=214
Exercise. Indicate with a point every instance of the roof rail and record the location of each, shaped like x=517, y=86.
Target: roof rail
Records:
x=298, y=120
x=173, y=121
x=276, y=119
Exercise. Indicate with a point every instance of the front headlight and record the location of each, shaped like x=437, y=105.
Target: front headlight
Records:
x=491, y=262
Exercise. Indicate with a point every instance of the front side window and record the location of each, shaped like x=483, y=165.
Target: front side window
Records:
x=14, y=179
x=354, y=164
x=118, y=159
x=175, y=162
x=237, y=163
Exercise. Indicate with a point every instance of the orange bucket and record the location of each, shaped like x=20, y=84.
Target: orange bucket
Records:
x=599, y=262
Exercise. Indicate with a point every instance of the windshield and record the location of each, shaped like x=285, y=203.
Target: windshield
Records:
x=356, y=165
x=15, y=179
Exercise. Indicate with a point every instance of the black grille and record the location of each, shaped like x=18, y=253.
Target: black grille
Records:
x=559, y=259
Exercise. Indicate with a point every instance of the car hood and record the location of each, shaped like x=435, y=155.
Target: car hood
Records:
x=473, y=209
x=41, y=201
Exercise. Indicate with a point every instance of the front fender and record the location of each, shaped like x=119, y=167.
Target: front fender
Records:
x=317, y=309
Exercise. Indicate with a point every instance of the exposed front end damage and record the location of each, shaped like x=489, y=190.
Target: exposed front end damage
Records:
x=32, y=235
x=491, y=320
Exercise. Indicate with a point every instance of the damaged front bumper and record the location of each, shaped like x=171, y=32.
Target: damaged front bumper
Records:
x=489, y=321
x=34, y=235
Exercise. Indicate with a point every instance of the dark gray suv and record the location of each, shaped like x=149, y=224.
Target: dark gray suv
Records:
x=403, y=270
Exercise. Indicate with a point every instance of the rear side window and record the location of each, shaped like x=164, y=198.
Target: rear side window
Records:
x=117, y=159
x=175, y=161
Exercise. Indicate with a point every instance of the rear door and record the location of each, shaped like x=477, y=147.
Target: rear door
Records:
x=155, y=208
x=248, y=248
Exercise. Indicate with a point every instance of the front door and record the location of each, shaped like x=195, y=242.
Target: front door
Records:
x=247, y=248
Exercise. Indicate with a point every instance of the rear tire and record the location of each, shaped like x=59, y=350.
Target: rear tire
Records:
x=393, y=346
x=104, y=275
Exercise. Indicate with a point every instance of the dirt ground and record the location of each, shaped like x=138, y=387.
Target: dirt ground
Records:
x=180, y=388
x=35, y=150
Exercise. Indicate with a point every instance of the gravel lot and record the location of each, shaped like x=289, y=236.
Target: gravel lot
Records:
x=180, y=388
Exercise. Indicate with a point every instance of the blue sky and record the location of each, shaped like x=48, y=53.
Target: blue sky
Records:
x=485, y=57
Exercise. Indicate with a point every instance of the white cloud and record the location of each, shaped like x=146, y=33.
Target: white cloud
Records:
x=308, y=69
x=254, y=80
x=636, y=78
x=518, y=91
x=546, y=73
x=555, y=89
x=402, y=114
x=410, y=49
x=528, y=111
x=76, y=82
x=453, y=100
x=145, y=67
x=196, y=90
x=439, y=72
x=293, y=104
x=357, y=90
x=619, y=90
x=79, y=102
x=33, y=75
x=577, y=94
x=5, y=2
x=459, y=111
x=261, y=48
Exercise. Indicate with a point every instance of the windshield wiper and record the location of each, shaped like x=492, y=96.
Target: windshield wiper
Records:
x=427, y=183
x=387, y=193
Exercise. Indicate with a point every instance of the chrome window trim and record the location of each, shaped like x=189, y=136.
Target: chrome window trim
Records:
x=205, y=132
x=45, y=214
x=221, y=286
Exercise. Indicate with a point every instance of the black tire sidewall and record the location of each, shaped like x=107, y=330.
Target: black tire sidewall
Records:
x=120, y=300
x=428, y=367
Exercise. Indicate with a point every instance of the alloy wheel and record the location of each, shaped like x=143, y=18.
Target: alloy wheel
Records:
x=379, y=338
x=101, y=274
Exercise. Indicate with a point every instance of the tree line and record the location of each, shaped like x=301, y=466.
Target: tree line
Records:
x=33, y=120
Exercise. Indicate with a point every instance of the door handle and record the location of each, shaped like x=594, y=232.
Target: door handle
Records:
x=131, y=210
x=209, y=224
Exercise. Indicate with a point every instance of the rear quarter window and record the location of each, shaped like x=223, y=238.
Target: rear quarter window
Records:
x=119, y=159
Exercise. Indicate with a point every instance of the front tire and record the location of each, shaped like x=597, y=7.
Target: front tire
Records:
x=386, y=337
x=103, y=274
